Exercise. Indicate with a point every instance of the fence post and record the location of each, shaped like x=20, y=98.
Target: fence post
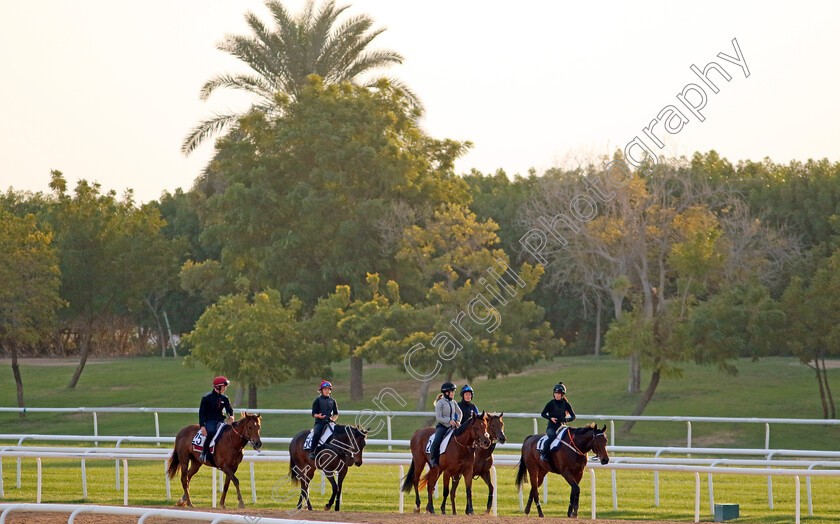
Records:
x=399, y=488
x=388, y=422
x=84, y=481
x=796, y=484
x=95, y=428
x=545, y=489
x=38, y=497
x=592, y=475
x=125, y=482
x=696, y=497
x=536, y=428
x=689, y=435
x=656, y=489
x=770, y=483
x=615, y=491
x=766, y=435
x=253, y=485
x=612, y=433
x=2, y=496
x=157, y=427
x=166, y=480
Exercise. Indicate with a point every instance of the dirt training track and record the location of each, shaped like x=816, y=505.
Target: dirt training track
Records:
x=350, y=516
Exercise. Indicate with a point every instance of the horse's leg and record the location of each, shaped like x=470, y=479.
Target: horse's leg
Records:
x=417, y=473
x=230, y=474
x=186, y=475
x=341, y=475
x=431, y=481
x=468, y=478
x=535, y=492
x=486, y=477
x=334, y=495
x=574, y=497
x=445, y=494
x=455, y=480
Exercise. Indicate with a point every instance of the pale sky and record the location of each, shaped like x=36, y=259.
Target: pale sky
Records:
x=107, y=90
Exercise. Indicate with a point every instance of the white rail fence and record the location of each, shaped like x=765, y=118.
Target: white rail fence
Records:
x=389, y=415
x=656, y=464
x=144, y=513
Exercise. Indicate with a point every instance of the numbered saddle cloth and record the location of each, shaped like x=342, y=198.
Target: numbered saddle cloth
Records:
x=445, y=442
x=555, y=442
x=328, y=431
x=198, y=442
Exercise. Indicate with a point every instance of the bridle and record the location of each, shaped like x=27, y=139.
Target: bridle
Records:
x=475, y=442
x=243, y=437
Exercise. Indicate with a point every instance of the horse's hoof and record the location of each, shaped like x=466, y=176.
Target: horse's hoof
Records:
x=417, y=510
x=327, y=507
x=241, y=506
x=487, y=512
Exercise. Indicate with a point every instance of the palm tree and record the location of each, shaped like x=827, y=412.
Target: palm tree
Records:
x=282, y=59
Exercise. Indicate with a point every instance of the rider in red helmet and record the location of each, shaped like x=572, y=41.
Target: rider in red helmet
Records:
x=211, y=413
x=325, y=410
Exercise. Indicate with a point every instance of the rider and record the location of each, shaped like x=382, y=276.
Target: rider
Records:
x=555, y=411
x=325, y=410
x=211, y=413
x=447, y=414
x=467, y=407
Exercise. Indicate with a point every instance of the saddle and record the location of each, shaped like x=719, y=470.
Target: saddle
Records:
x=554, y=443
x=198, y=440
x=443, y=443
x=328, y=431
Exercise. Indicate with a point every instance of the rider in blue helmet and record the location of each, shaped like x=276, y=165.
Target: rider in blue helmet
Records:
x=467, y=407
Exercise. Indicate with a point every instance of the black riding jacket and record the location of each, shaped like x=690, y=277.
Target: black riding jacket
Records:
x=325, y=406
x=213, y=408
x=557, y=409
x=468, y=410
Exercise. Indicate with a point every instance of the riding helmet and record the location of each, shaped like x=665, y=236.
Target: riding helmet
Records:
x=220, y=381
x=560, y=388
x=324, y=384
x=447, y=386
x=466, y=389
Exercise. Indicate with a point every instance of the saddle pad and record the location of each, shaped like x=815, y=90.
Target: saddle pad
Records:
x=328, y=431
x=198, y=442
x=445, y=442
x=554, y=443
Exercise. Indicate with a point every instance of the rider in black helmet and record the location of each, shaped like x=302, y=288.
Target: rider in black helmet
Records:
x=467, y=407
x=555, y=411
x=447, y=414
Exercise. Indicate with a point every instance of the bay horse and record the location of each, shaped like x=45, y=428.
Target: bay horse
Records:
x=342, y=450
x=457, y=460
x=568, y=460
x=227, y=454
x=483, y=463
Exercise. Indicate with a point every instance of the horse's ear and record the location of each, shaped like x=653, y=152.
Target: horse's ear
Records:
x=244, y=414
x=501, y=414
x=258, y=415
x=605, y=429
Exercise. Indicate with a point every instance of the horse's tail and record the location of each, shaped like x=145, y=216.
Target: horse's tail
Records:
x=520, y=475
x=408, y=482
x=174, y=463
x=423, y=481
x=293, y=467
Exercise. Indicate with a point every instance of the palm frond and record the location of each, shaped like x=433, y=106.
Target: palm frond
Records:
x=413, y=100
x=207, y=128
x=252, y=84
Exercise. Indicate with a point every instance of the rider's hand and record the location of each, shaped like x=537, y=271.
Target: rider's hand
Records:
x=203, y=431
x=554, y=419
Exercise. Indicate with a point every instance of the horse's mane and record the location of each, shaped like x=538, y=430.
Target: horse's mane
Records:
x=463, y=427
x=348, y=430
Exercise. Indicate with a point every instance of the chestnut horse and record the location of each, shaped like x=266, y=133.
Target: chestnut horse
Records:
x=483, y=463
x=568, y=460
x=457, y=460
x=343, y=449
x=227, y=454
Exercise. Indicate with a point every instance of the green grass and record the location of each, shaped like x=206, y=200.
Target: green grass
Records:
x=374, y=488
x=777, y=387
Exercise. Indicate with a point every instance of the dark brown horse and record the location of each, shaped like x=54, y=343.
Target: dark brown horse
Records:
x=227, y=454
x=343, y=450
x=568, y=460
x=457, y=460
x=483, y=463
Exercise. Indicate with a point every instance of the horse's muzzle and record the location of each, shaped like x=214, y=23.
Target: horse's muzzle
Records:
x=257, y=444
x=605, y=461
x=358, y=463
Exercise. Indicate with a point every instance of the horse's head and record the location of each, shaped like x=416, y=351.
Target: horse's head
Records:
x=478, y=428
x=599, y=443
x=248, y=427
x=496, y=428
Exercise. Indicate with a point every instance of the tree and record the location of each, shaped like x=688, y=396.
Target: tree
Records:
x=29, y=294
x=453, y=268
x=255, y=343
x=306, y=191
x=104, y=246
x=812, y=330
x=313, y=42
